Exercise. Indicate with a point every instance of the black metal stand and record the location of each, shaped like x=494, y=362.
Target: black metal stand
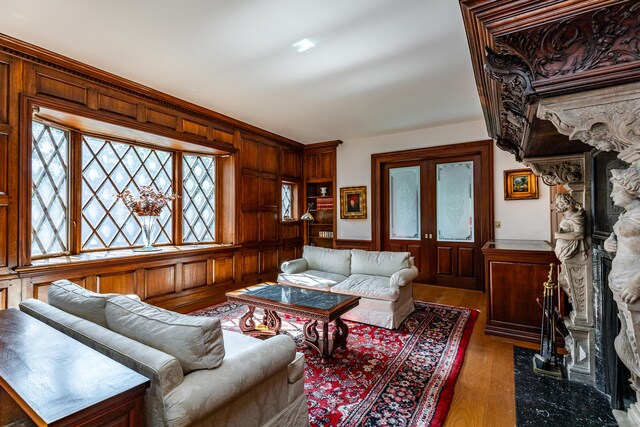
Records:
x=546, y=362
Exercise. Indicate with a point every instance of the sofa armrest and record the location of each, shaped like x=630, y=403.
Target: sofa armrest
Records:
x=204, y=391
x=404, y=276
x=294, y=266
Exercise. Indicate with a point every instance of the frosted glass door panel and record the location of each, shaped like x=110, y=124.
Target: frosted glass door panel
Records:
x=454, y=193
x=404, y=203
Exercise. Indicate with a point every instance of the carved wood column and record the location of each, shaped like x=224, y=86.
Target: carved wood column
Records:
x=576, y=272
x=609, y=120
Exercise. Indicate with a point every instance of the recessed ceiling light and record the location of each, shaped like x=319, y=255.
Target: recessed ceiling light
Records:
x=302, y=45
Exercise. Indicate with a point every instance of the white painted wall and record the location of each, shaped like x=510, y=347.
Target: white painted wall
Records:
x=521, y=219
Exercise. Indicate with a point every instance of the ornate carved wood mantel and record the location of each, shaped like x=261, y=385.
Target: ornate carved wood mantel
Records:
x=556, y=79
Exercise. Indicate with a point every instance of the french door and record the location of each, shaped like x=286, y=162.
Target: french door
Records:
x=434, y=208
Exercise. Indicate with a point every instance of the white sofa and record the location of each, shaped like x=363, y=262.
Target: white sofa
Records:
x=383, y=280
x=200, y=374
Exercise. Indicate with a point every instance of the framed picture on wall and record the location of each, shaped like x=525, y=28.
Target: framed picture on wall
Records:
x=520, y=184
x=353, y=202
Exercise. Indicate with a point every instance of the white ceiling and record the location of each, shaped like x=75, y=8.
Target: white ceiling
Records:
x=379, y=66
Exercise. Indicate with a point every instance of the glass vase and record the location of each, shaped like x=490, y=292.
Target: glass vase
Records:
x=147, y=222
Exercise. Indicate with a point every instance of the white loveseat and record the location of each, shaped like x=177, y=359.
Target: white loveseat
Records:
x=383, y=280
x=200, y=374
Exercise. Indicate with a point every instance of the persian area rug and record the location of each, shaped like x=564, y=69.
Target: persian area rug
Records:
x=404, y=377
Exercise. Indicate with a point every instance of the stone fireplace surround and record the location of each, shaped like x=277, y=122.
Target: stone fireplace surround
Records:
x=608, y=120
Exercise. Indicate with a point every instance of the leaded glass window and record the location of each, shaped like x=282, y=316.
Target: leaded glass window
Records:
x=108, y=168
x=198, y=199
x=287, y=201
x=50, y=190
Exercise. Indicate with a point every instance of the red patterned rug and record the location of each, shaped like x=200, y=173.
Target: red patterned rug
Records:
x=404, y=377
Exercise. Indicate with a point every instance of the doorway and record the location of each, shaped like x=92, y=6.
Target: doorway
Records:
x=436, y=203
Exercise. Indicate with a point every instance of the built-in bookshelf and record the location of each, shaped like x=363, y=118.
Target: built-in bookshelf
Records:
x=320, y=193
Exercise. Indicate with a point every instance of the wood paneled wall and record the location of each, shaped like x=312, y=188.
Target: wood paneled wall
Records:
x=250, y=173
x=266, y=240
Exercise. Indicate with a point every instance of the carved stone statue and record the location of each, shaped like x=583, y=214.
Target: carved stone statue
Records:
x=570, y=234
x=571, y=249
x=624, y=279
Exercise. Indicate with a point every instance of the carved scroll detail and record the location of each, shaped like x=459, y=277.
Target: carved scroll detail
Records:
x=603, y=38
x=557, y=173
x=515, y=78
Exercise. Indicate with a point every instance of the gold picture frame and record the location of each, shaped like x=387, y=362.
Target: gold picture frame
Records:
x=353, y=202
x=520, y=184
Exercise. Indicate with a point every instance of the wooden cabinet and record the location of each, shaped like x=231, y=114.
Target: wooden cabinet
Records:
x=321, y=193
x=515, y=271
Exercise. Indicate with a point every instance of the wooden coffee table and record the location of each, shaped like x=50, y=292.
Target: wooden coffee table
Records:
x=317, y=306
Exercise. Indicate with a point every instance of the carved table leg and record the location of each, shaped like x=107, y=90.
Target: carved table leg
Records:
x=340, y=334
x=246, y=322
x=311, y=335
x=271, y=323
x=325, y=342
x=272, y=320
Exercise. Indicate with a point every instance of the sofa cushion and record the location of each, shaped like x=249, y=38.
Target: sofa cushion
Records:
x=330, y=260
x=312, y=279
x=366, y=286
x=378, y=263
x=196, y=342
x=76, y=300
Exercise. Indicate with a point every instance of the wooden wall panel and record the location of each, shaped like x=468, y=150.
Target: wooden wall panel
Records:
x=117, y=106
x=445, y=261
x=222, y=136
x=269, y=158
x=250, y=154
x=159, y=281
x=250, y=263
x=250, y=227
x=269, y=193
x=290, y=163
x=62, y=89
x=4, y=91
x=311, y=165
x=250, y=192
x=223, y=269
x=291, y=231
x=268, y=226
x=119, y=283
x=364, y=245
x=325, y=164
x=287, y=253
x=269, y=261
x=466, y=262
x=194, y=274
x=194, y=128
x=4, y=298
x=161, y=119
x=40, y=289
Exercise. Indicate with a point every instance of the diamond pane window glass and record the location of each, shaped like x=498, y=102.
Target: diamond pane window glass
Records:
x=287, y=201
x=50, y=190
x=108, y=168
x=454, y=198
x=198, y=199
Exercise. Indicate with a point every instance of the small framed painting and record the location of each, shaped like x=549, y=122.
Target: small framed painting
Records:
x=520, y=184
x=353, y=202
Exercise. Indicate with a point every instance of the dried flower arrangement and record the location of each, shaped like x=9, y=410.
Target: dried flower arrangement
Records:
x=148, y=203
